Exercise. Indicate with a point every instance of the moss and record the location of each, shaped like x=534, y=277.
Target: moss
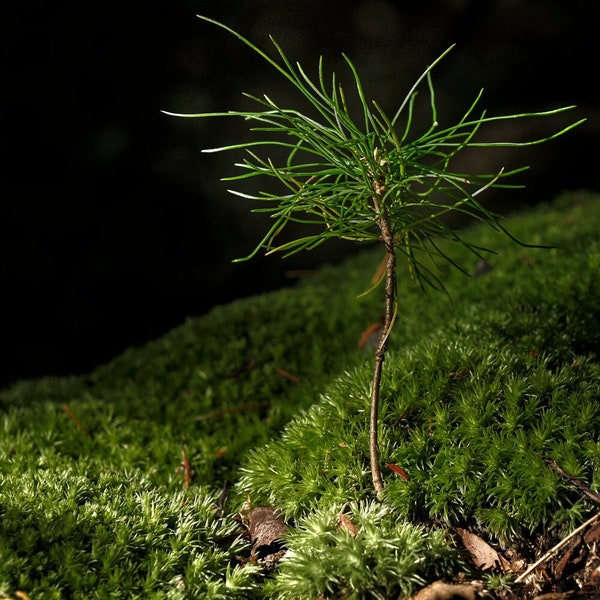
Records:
x=268, y=397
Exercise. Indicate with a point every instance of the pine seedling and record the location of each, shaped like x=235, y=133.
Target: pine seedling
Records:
x=368, y=179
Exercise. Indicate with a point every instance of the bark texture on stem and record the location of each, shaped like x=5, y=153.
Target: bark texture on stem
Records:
x=390, y=301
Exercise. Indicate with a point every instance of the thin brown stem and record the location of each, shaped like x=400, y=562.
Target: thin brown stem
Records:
x=390, y=302
x=585, y=491
x=75, y=420
x=548, y=555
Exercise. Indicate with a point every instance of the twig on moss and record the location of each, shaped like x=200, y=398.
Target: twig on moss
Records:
x=287, y=375
x=75, y=420
x=574, y=480
x=185, y=467
x=546, y=557
x=245, y=368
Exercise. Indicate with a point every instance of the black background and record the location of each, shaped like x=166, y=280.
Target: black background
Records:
x=114, y=227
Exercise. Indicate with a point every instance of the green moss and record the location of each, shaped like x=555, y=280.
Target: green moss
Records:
x=477, y=391
x=385, y=556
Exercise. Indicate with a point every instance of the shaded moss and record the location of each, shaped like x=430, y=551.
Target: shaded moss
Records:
x=268, y=397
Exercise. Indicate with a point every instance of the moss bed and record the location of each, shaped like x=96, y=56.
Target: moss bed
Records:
x=229, y=458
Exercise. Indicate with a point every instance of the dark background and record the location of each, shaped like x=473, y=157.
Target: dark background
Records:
x=114, y=228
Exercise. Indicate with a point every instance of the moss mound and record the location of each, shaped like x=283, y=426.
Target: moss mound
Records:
x=135, y=481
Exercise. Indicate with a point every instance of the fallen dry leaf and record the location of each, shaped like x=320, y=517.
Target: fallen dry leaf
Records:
x=439, y=590
x=568, y=557
x=370, y=336
x=266, y=526
x=483, y=555
x=398, y=470
x=346, y=524
x=593, y=535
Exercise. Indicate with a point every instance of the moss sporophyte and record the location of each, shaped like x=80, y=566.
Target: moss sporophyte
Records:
x=370, y=179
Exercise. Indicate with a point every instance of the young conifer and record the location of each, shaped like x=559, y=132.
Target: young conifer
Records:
x=371, y=179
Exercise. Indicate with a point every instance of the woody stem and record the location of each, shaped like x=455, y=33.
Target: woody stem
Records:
x=390, y=299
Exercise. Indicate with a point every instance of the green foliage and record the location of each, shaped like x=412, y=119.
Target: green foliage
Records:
x=370, y=179
x=476, y=391
x=470, y=430
x=384, y=558
x=469, y=412
x=344, y=173
x=69, y=530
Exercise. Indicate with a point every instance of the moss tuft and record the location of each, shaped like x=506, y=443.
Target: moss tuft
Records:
x=267, y=398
